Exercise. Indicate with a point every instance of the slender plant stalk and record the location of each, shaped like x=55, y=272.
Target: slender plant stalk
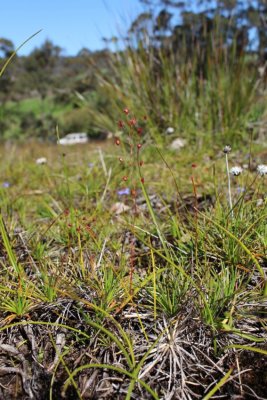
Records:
x=15, y=52
x=229, y=186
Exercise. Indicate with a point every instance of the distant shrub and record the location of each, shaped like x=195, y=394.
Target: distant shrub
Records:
x=42, y=127
x=76, y=120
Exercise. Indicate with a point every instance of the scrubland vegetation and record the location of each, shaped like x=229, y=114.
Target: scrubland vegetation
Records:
x=131, y=269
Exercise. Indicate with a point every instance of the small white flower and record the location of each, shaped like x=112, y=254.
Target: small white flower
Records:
x=262, y=169
x=236, y=171
x=41, y=161
x=259, y=202
x=227, y=149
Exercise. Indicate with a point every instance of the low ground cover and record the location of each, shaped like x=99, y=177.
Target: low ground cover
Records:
x=126, y=274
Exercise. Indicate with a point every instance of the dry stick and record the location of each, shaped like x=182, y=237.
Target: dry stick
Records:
x=102, y=161
x=106, y=186
x=174, y=180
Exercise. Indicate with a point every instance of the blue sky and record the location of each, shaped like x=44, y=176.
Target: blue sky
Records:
x=71, y=24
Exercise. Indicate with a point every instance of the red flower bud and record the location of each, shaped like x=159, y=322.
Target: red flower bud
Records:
x=120, y=124
x=133, y=192
x=132, y=122
x=126, y=111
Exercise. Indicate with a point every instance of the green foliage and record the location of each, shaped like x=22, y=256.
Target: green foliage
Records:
x=171, y=293
x=151, y=285
x=134, y=276
x=168, y=90
x=77, y=120
x=199, y=76
x=20, y=305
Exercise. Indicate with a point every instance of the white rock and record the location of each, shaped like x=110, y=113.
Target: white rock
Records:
x=260, y=202
x=178, y=144
x=169, y=130
x=110, y=135
x=119, y=208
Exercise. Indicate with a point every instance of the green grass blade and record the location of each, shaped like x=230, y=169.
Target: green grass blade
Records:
x=7, y=245
x=241, y=244
x=248, y=348
x=15, y=52
x=113, y=368
x=91, y=323
x=218, y=385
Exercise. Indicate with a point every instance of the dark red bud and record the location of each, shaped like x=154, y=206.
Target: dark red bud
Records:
x=132, y=122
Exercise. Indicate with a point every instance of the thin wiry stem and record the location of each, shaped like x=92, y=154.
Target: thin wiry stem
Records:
x=229, y=185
